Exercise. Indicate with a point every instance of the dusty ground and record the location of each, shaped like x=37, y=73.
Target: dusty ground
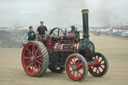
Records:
x=116, y=50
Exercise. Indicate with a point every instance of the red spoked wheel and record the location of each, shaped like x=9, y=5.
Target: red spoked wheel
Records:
x=76, y=67
x=100, y=66
x=35, y=58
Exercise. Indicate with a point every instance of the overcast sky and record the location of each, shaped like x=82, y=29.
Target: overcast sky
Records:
x=62, y=12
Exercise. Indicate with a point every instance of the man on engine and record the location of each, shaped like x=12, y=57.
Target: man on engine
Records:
x=31, y=34
x=42, y=30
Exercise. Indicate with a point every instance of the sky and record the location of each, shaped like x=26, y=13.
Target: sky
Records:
x=62, y=13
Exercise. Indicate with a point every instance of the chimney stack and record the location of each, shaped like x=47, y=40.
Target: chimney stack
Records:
x=85, y=23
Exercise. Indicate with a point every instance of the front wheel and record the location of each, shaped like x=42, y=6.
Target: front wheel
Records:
x=100, y=66
x=76, y=67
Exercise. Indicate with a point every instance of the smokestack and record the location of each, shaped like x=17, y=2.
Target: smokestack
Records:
x=85, y=23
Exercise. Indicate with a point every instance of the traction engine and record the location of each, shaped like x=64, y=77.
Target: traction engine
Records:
x=65, y=51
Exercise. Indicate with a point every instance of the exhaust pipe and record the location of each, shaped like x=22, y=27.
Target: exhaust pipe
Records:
x=85, y=23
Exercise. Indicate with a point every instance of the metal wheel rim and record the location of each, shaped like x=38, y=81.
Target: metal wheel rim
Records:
x=99, y=65
x=75, y=74
x=32, y=59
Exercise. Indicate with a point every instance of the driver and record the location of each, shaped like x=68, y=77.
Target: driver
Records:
x=42, y=30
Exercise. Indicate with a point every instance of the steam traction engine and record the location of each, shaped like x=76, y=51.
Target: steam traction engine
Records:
x=65, y=51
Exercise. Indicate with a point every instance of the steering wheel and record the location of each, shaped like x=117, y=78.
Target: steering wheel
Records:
x=57, y=32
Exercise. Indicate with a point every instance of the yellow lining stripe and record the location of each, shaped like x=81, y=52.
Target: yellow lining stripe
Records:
x=85, y=11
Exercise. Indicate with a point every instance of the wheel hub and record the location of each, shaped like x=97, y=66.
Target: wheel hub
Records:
x=32, y=58
x=74, y=68
x=96, y=63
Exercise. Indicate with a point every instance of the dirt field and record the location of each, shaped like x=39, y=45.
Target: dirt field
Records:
x=116, y=50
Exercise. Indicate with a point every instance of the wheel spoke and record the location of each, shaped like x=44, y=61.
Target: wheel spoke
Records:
x=39, y=59
x=97, y=57
x=73, y=73
x=39, y=67
x=29, y=61
x=38, y=62
x=27, y=58
x=38, y=56
x=98, y=69
x=29, y=65
x=81, y=64
x=73, y=61
x=78, y=62
x=33, y=49
x=36, y=51
x=29, y=52
x=34, y=64
x=80, y=72
x=71, y=65
x=32, y=68
x=102, y=67
x=101, y=61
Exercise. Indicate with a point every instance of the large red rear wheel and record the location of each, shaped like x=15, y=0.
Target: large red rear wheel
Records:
x=76, y=67
x=100, y=66
x=35, y=58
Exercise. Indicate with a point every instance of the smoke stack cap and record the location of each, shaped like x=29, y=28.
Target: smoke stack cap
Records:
x=85, y=11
